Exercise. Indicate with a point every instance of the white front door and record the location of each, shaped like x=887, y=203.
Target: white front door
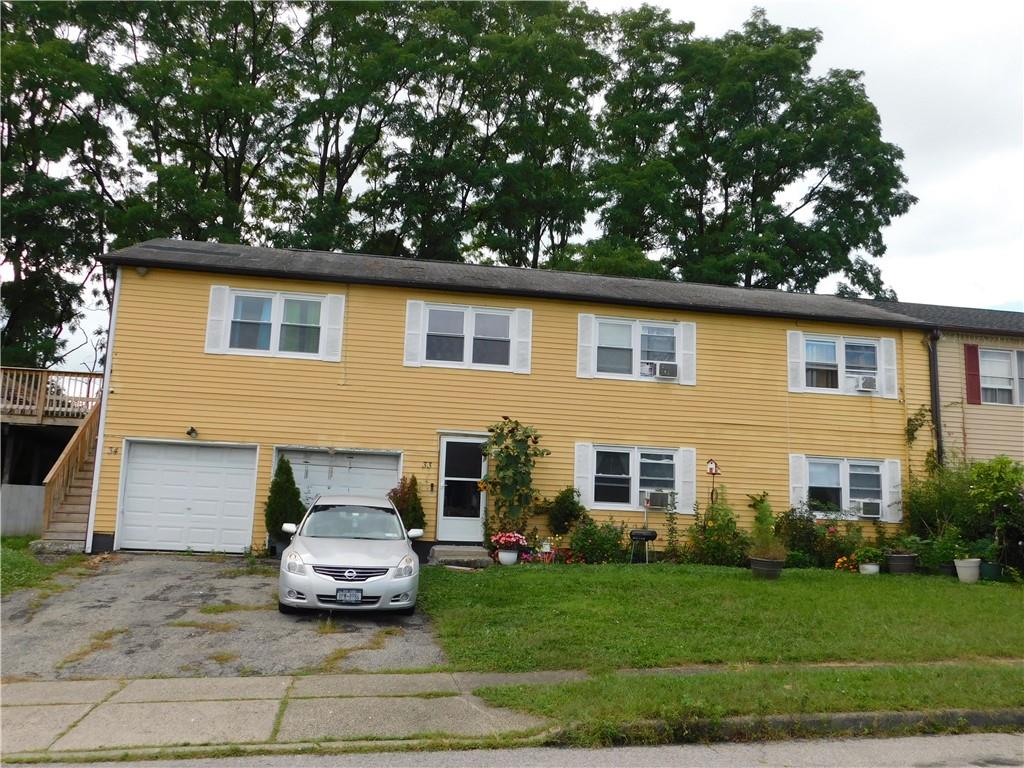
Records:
x=180, y=496
x=461, y=504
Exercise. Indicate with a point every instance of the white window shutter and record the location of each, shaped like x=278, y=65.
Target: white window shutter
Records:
x=892, y=510
x=217, y=322
x=584, y=473
x=686, y=480
x=795, y=346
x=890, y=388
x=335, y=317
x=522, y=321
x=586, y=355
x=797, y=480
x=414, y=320
x=686, y=353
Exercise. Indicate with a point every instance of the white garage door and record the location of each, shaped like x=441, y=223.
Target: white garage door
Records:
x=179, y=496
x=319, y=472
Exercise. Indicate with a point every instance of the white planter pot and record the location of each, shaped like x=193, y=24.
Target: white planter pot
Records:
x=508, y=556
x=968, y=570
x=869, y=569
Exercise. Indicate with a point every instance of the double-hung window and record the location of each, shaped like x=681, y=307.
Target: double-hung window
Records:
x=842, y=486
x=643, y=350
x=457, y=336
x=842, y=364
x=622, y=477
x=1002, y=376
x=274, y=324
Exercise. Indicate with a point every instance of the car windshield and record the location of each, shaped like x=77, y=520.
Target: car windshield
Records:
x=352, y=521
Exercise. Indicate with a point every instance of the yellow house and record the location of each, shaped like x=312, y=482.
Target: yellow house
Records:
x=362, y=369
x=978, y=397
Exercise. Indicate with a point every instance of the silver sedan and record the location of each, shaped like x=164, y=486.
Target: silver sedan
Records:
x=349, y=553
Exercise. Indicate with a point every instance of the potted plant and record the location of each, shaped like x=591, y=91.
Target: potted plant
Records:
x=767, y=552
x=944, y=549
x=901, y=556
x=991, y=568
x=508, y=544
x=968, y=567
x=868, y=560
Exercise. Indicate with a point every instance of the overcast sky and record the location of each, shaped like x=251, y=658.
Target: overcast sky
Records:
x=948, y=81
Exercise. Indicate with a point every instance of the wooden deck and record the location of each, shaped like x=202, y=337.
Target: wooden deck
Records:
x=32, y=396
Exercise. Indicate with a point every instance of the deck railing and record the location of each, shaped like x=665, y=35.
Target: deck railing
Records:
x=76, y=453
x=41, y=394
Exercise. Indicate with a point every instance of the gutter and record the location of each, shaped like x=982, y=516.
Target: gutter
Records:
x=933, y=376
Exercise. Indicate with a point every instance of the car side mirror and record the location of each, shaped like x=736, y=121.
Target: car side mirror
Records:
x=414, y=533
x=289, y=528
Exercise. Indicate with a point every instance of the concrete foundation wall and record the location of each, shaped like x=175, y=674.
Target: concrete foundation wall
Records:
x=21, y=509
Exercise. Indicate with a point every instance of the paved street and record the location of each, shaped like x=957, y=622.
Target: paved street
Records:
x=985, y=750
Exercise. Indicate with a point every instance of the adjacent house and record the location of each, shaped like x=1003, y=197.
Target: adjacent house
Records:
x=362, y=369
x=978, y=397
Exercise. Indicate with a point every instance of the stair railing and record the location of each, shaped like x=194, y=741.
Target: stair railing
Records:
x=59, y=479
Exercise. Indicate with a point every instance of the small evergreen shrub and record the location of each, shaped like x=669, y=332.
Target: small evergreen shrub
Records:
x=284, y=503
x=764, y=543
x=406, y=498
x=593, y=543
x=564, y=511
x=715, y=538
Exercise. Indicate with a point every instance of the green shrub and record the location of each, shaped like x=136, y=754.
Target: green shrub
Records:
x=941, y=499
x=799, y=560
x=997, y=493
x=799, y=532
x=836, y=538
x=406, y=498
x=764, y=543
x=593, y=543
x=940, y=550
x=284, y=503
x=564, y=511
x=868, y=555
x=714, y=537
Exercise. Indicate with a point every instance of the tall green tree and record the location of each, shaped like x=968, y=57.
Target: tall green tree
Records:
x=762, y=174
x=56, y=148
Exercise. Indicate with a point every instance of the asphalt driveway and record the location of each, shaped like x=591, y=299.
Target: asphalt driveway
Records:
x=192, y=616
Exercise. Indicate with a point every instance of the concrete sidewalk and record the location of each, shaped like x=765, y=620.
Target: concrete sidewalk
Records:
x=59, y=718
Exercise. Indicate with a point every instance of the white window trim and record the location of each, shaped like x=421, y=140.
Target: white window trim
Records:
x=634, y=452
x=328, y=336
x=1016, y=375
x=468, y=324
x=636, y=327
x=885, y=372
x=844, y=483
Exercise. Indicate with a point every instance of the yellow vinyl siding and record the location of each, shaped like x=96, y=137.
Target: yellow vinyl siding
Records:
x=976, y=432
x=740, y=412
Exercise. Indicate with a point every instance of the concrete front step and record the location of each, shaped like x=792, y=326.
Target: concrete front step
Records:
x=45, y=546
x=462, y=555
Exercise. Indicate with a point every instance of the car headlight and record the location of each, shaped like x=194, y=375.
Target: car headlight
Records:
x=407, y=567
x=293, y=564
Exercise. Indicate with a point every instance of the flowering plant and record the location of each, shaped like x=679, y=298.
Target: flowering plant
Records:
x=847, y=564
x=509, y=540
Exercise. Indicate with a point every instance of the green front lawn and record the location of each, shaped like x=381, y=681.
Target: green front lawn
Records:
x=598, y=711
x=19, y=567
x=618, y=616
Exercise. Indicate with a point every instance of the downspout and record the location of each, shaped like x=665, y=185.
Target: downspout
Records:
x=933, y=375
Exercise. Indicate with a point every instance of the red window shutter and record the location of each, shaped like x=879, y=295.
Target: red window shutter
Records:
x=972, y=367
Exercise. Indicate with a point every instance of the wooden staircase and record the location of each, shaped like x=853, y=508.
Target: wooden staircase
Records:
x=69, y=488
x=69, y=521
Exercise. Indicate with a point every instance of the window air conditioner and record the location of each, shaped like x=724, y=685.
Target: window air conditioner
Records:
x=648, y=369
x=655, y=499
x=668, y=370
x=867, y=383
x=871, y=510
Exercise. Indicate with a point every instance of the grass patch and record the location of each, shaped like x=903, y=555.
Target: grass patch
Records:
x=254, y=569
x=100, y=641
x=328, y=627
x=604, y=617
x=206, y=626
x=20, y=569
x=596, y=711
x=223, y=657
x=219, y=608
x=335, y=657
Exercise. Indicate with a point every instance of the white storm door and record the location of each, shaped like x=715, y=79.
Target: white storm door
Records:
x=461, y=504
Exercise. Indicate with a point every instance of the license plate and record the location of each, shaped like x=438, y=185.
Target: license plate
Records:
x=350, y=596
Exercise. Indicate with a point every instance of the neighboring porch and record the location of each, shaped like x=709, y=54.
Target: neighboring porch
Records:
x=46, y=413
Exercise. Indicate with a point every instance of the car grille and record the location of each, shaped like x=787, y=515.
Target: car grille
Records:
x=348, y=573
x=333, y=599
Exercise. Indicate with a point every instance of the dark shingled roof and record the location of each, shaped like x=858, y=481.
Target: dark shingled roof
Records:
x=473, y=278
x=968, y=319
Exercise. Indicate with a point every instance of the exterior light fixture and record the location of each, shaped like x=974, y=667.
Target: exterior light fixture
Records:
x=192, y=432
